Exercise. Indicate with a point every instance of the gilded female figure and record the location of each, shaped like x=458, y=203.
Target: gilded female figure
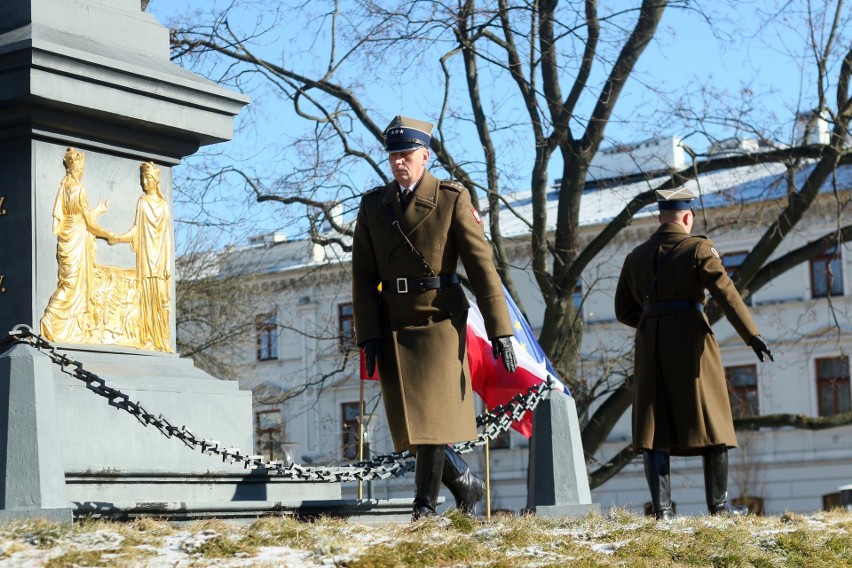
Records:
x=150, y=239
x=75, y=226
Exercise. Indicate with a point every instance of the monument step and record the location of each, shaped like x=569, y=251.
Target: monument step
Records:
x=368, y=511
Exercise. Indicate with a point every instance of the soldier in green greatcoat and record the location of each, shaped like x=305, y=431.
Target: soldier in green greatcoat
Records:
x=411, y=312
x=680, y=396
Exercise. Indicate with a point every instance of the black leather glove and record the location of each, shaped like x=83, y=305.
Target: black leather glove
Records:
x=502, y=347
x=760, y=347
x=372, y=353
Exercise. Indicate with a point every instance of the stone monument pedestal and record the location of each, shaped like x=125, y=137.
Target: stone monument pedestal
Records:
x=95, y=75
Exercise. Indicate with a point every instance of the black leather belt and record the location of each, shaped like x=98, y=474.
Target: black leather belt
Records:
x=410, y=285
x=671, y=306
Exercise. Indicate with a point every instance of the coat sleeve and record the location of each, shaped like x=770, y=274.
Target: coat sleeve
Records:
x=476, y=256
x=715, y=279
x=365, y=280
x=627, y=309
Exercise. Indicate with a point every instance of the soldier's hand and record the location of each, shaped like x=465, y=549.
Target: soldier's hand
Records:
x=760, y=347
x=372, y=353
x=501, y=347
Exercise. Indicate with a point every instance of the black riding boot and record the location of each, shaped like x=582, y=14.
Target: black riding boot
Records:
x=659, y=482
x=429, y=463
x=716, y=482
x=465, y=487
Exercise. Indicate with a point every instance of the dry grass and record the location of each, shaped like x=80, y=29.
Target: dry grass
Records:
x=616, y=539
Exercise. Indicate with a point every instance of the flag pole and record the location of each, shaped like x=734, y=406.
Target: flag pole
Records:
x=487, y=475
x=361, y=436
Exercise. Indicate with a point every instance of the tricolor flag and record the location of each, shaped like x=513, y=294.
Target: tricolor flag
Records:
x=490, y=379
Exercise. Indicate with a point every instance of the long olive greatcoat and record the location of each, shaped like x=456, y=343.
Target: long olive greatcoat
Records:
x=424, y=373
x=680, y=400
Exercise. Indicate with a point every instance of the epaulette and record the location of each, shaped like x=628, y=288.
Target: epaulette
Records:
x=452, y=184
x=375, y=189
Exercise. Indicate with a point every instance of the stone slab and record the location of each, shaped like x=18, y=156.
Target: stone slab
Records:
x=195, y=490
x=368, y=511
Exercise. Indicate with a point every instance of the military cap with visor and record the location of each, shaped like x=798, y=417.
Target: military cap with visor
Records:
x=674, y=199
x=404, y=134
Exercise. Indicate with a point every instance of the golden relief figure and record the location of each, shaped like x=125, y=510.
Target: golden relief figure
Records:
x=150, y=239
x=110, y=305
x=69, y=310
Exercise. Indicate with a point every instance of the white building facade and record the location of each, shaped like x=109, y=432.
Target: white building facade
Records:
x=304, y=370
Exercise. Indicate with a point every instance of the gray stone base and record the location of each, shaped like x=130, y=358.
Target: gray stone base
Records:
x=60, y=515
x=67, y=449
x=369, y=511
x=102, y=490
x=556, y=511
x=366, y=511
x=31, y=472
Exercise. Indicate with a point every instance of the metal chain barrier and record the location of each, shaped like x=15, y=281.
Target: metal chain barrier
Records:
x=498, y=420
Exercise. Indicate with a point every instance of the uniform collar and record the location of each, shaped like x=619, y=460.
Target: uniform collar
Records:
x=413, y=186
x=674, y=228
x=421, y=208
x=425, y=195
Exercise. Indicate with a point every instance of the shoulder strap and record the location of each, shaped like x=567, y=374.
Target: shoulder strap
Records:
x=409, y=244
x=663, y=261
x=451, y=184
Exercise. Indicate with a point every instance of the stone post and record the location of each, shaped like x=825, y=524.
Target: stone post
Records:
x=558, y=483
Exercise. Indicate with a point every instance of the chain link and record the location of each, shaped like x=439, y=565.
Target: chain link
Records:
x=498, y=420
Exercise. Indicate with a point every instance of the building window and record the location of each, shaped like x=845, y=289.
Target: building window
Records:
x=269, y=433
x=266, y=330
x=742, y=390
x=346, y=326
x=832, y=375
x=733, y=260
x=349, y=412
x=827, y=274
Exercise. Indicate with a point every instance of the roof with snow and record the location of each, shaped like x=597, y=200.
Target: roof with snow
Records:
x=602, y=200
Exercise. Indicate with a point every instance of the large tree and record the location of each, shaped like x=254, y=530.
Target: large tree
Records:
x=519, y=89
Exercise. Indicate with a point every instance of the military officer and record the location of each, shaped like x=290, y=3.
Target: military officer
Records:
x=680, y=400
x=409, y=237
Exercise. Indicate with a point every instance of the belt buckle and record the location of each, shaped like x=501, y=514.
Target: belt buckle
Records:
x=402, y=285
